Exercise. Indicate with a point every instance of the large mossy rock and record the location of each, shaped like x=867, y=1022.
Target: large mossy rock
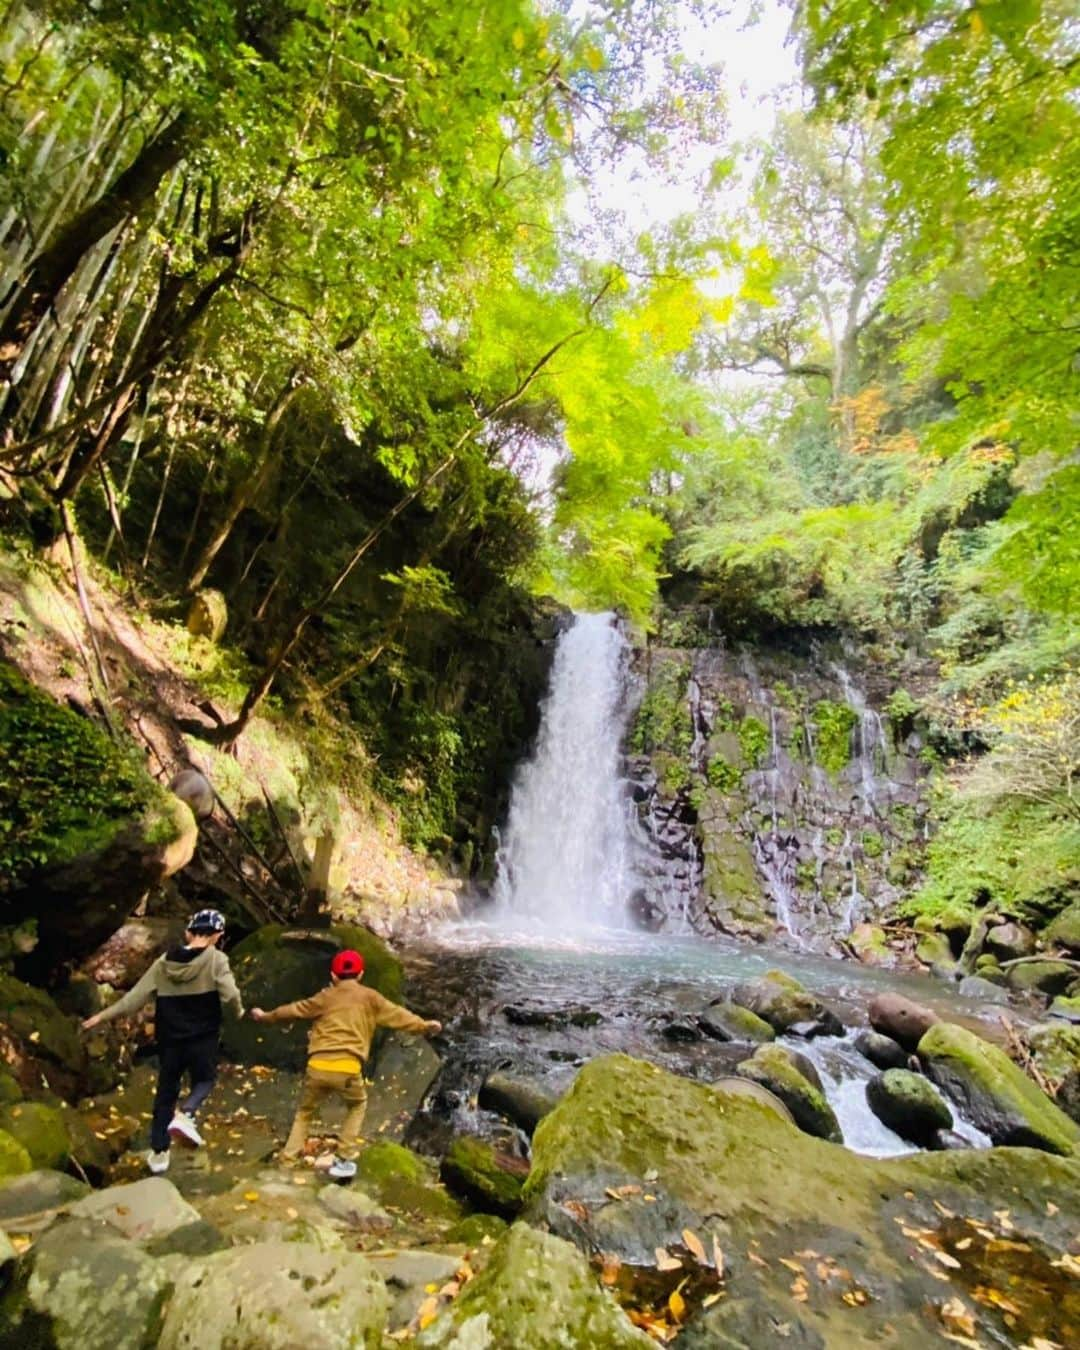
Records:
x=729, y=1022
x=777, y=1068
x=778, y=1202
x=14, y=1159
x=780, y=1000
x=994, y=1093
x=1055, y=1048
x=1065, y=929
x=89, y=831
x=909, y=1105
x=276, y=965
x=403, y=1181
x=1041, y=977
x=87, y=1289
x=536, y=1291
x=41, y=1130
x=488, y=1180
x=38, y=1040
x=276, y=1296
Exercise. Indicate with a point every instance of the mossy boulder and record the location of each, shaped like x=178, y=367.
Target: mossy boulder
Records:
x=775, y=1067
x=733, y=891
x=933, y=950
x=1009, y=941
x=402, y=1180
x=276, y=965
x=10, y=1091
x=477, y=1229
x=680, y=1154
x=487, y=1180
x=39, y=1040
x=1055, y=1048
x=1041, y=977
x=1065, y=1007
x=35, y=1193
x=14, y=1159
x=994, y=1093
x=41, y=1130
x=536, y=1291
x=870, y=945
x=729, y=1022
x=909, y=1105
x=1064, y=931
x=89, y=831
x=780, y=1000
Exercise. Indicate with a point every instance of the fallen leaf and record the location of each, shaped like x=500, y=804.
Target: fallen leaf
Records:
x=963, y=1244
x=854, y=1298
x=957, y=1316
x=808, y=1254
x=757, y=1260
x=610, y=1190
x=251, y=1196
x=800, y=1290
x=1002, y=1216
x=1051, y=1208
x=610, y=1265
x=718, y=1258
x=651, y=1175
x=577, y=1209
x=946, y=1260
x=1037, y=1343
x=796, y=1266
x=628, y=1190
x=823, y=1272
x=431, y=1288
x=665, y=1260
x=694, y=1245
x=1068, y=1262
x=291, y=1213
x=450, y=1289
x=676, y=1305
x=941, y=1209
x=428, y=1312
x=996, y=1298
x=710, y=1299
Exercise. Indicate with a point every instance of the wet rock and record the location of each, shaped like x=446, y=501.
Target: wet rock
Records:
x=1055, y=1048
x=995, y=1094
x=949, y=1139
x=1041, y=977
x=683, y=1029
x=276, y=965
x=730, y=1168
x=909, y=1106
x=828, y=1024
x=1064, y=931
x=408, y=1065
x=779, y=1000
x=14, y=1159
x=1007, y=941
x=402, y=1180
x=521, y=1100
x=746, y=1087
x=355, y=1208
x=141, y=1210
x=901, y=1018
x=777, y=1068
x=535, y=1291
x=488, y=1180
x=88, y=1289
x=29, y=1198
x=408, y=1275
x=276, y=1296
x=975, y=986
x=729, y=1022
x=1068, y=1009
x=41, y=1131
x=868, y=942
x=554, y=1019
x=882, y=1051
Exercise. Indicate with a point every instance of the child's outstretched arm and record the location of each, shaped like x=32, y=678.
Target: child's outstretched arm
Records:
x=303, y=1007
x=131, y=1002
x=396, y=1017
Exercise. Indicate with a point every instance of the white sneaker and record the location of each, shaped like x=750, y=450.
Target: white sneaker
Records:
x=182, y=1127
x=341, y=1169
x=158, y=1162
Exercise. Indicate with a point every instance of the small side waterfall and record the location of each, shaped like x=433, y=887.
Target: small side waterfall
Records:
x=566, y=859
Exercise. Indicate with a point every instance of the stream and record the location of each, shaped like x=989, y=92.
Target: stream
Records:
x=552, y=971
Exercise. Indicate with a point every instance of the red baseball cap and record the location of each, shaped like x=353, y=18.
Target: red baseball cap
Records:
x=347, y=965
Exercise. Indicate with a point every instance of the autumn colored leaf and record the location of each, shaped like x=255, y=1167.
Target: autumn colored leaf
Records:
x=665, y=1260
x=676, y=1305
x=694, y=1245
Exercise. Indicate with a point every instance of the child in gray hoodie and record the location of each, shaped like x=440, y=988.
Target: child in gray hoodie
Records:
x=190, y=982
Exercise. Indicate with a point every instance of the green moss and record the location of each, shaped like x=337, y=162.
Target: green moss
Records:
x=472, y=1168
x=14, y=1159
x=476, y=1228
x=833, y=723
x=723, y=775
x=785, y=696
x=663, y=720
x=901, y=710
x=672, y=773
x=401, y=1179
x=834, y=837
x=806, y=875
x=32, y=1015
x=873, y=846
x=65, y=787
x=753, y=740
x=41, y=1131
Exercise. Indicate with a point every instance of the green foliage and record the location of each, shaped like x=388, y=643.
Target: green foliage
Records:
x=723, y=775
x=754, y=740
x=64, y=786
x=901, y=709
x=833, y=725
x=663, y=719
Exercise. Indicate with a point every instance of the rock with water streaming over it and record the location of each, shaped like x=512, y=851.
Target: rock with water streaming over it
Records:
x=909, y=1105
x=839, y=1249
x=995, y=1094
x=786, y=1075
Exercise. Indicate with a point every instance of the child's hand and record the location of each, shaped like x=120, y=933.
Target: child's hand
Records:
x=91, y=1022
x=432, y=1028
x=257, y=1015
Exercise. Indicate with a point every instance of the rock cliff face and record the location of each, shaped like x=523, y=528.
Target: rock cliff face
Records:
x=777, y=790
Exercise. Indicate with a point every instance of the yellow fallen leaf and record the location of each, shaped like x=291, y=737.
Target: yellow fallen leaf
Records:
x=963, y=1244
x=676, y=1305
x=610, y=1265
x=429, y=1310
x=1051, y=1208
x=1068, y=1262
x=941, y=1209
x=757, y=1260
x=796, y=1266
x=431, y=1288
x=251, y=1196
x=946, y=1260
x=800, y=1291
x=718, y=1258
x=710, y=1299
x=957, y=1316
x=694, y=1245
x=1002, y=1216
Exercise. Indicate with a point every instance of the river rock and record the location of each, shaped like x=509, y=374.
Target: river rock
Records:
x=1007, y=941
x=28, y=1199
x=41, y=1043
x=777, y=1068
x=1064, y=931
x=408, y=1065
x=353, y=1207
x=995, y=1094
x=1067, y=1009
x=521, y=1100
x=41, y=1131
x=276, y=1296
x=552, y=1019
x=1055, y=1048
x=1041, y=977
x=729, y=1022
x=908, y=1105
x=782, y=1002
x=403, y=1181
x=141, y=1210
x=536, y=1291
x=729, y=1168
x=975, y=986
x=276, y=965
x=488, y=1180
x=408, y=1275
x=87, y=1289
x=882, y=1051
x=746, y=1087
x=901, y=1018
x=14, y=1159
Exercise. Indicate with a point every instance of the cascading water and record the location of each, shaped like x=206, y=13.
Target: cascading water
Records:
x=567, y=857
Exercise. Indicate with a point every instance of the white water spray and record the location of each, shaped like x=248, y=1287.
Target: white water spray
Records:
x=566, y=858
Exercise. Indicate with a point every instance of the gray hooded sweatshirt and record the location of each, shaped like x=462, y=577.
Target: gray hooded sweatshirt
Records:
x=191, y=984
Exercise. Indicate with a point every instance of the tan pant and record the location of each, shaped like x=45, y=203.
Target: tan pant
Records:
x=318, y=1085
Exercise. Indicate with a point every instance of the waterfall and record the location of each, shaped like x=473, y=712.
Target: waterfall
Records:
x=566, y=856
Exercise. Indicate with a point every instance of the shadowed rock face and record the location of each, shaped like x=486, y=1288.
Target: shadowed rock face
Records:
x=728, y=1168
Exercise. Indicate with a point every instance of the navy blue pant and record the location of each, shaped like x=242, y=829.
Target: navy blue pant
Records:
x=197, y=1057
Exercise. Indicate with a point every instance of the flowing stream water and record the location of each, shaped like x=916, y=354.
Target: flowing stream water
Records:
x=554, y=971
